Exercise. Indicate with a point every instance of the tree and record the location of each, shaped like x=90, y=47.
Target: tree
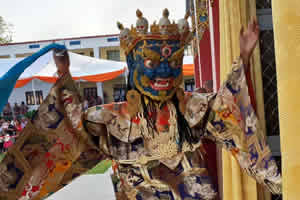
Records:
x=5, y=31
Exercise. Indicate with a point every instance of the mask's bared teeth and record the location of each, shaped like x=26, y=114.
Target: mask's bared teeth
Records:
x=161, y=83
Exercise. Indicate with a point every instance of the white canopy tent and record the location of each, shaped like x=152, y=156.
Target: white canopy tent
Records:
x=41, y=74
x=80, y=66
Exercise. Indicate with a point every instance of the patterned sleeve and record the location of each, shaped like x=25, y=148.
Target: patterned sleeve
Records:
x=233, y=122
x=52, y=149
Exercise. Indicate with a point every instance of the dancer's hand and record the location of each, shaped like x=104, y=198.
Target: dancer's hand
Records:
x=61, y=58
x=248, y=41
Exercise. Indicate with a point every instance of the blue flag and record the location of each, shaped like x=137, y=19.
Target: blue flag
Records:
x=9, y=79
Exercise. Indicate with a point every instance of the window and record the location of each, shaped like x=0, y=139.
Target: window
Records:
x=90, y=92
x=264, y=13
x=91, y=54
x=30, y=97
x=115, y=39
x=113, y=55
x=189, y=85
x=34, y=46
x=75, y=42
x=4, y=56
x=119, y=93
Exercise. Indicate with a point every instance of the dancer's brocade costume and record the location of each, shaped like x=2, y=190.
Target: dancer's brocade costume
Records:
x=154, y=138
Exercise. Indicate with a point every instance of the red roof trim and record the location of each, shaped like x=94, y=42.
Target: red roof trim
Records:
x=55, y=40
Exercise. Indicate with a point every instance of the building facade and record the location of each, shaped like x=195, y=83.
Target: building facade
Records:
x=99, y=46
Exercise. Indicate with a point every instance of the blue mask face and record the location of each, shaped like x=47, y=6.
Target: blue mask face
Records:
x=156, y=68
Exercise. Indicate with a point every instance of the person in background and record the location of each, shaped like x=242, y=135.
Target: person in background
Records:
x=18, y=126
x=7, y=142
x=5, y=125
x=11, y=131
x=13, y=121
x=105, y=98
x=23, y=122
x=1, y=122
x=208, y=85
x=23, y=108
x=7, y=112
x=99, y=100
x=16, y=110
x=1, y=138
x=1, y=143
x=92, y=101
x=85, y=104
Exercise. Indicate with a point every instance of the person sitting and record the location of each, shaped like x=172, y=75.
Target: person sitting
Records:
x=99, y=100
x=16, y=110
x=92, y=101
x=85, y=104
x=23, y=108
x=23, y=122
x=18, y=126
x=7, y=142
x=7, y=111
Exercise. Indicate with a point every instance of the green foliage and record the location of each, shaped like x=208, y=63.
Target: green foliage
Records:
x=30, y=114
x=5, y=31
x=2, y=155
x=100, y=168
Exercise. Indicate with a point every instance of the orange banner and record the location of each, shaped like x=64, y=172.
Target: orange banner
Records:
x=93, y=78
x=188, y=70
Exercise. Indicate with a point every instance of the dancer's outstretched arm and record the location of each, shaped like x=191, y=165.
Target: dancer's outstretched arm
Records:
x=54, y=146
x=229, y=118
x=232, y=122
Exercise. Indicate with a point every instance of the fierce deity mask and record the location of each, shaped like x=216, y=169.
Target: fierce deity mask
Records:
x=155, y=58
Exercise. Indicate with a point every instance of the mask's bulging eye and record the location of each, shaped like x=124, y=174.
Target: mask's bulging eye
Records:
x=148, y=63
x=166, y=51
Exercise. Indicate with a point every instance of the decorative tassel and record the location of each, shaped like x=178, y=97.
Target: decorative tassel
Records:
x=180, y=96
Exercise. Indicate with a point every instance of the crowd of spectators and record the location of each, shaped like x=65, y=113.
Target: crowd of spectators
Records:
x=9, y=131
x=12, y=122
x=91, y=101
x=17, y=111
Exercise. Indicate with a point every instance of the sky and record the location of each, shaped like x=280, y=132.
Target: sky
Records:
x=51, y=19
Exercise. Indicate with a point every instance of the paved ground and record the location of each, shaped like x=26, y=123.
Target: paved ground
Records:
x=87, y=187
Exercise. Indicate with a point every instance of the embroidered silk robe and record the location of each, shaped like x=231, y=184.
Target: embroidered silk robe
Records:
x=62, y=142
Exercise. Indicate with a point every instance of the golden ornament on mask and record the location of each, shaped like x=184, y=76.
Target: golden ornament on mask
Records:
x=146, y=100
x=133, y=97
x=134, y=102
x=172, y=33
x=150, y=54
x=154, y=28
x=145, y=81
x=133, y=31
x=162, y=93
x=177, y=55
